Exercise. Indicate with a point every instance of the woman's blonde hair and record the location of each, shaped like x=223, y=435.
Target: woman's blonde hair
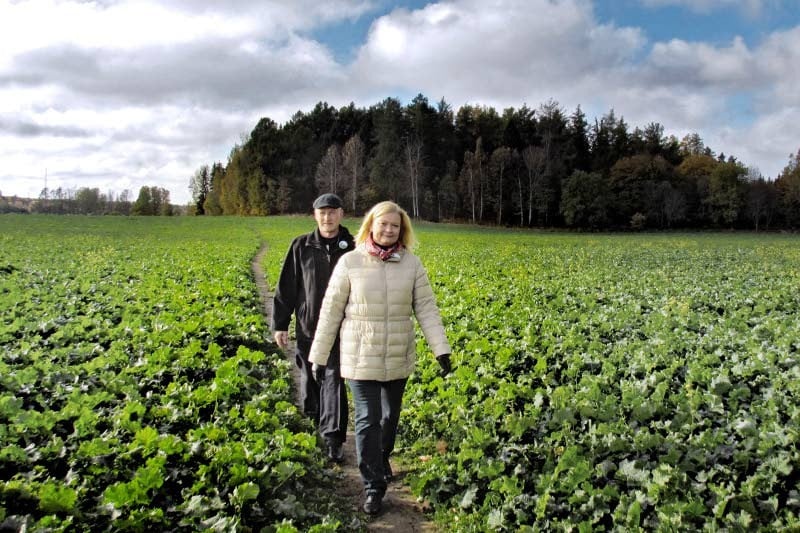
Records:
x=406, y=238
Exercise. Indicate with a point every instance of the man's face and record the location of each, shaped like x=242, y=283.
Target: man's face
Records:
x=328, y=219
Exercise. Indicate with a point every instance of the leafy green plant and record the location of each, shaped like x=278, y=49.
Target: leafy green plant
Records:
x=138, y=390
x=609, y=382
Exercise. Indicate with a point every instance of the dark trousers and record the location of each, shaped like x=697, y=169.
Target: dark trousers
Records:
x=333, y=409
x=309, y=390
x=377, y=413
x=324, y=400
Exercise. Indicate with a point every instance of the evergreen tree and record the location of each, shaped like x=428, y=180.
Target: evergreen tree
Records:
x=761, y=200
x=552, y=129
x=212, y=205
x=386, y=159
x=143, y=205
x=200, y=186
x=788, y=185
x=579, y=150
x=585, y=200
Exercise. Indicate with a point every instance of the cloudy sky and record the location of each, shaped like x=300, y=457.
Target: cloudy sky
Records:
x=117, y=94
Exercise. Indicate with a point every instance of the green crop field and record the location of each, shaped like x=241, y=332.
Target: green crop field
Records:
x=601, y=382
x=613, y=382
x=137, y=390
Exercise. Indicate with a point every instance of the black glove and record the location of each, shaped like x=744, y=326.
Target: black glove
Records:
x=444, y=362
x=317, y=373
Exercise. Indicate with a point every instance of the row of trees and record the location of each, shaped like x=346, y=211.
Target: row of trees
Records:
x=90, y=201
x=523, y=167
x=13, y=204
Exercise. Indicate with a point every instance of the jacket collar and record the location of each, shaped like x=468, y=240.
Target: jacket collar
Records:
x=315, y=239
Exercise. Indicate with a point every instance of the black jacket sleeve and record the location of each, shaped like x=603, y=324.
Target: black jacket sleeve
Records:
x=285, y=298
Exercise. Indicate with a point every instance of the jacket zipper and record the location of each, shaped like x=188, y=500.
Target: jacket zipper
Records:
x=385, y=321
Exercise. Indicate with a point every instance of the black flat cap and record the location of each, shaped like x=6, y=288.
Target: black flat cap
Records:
x=328, y=200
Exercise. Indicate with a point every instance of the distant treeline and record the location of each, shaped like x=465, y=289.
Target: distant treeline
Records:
x=90, y=201
x=522, y=167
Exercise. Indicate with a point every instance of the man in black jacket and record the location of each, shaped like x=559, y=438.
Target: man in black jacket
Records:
x=301, y=287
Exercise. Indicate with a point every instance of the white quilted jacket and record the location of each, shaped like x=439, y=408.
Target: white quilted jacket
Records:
x=369, y=303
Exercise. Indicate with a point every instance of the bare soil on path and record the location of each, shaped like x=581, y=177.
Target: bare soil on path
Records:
x=401, y=513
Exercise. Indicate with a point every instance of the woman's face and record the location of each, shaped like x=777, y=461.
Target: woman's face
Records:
x=386, y=229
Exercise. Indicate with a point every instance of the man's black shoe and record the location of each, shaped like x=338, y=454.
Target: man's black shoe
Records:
x=335, y=452
x=373, y=504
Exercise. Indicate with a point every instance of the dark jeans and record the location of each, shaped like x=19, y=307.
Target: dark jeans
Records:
x=324, y=400
x=377, y=413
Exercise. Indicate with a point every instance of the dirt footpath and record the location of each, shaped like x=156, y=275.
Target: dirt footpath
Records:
x=402, y=513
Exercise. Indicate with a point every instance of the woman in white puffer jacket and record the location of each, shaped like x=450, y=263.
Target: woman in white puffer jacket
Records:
x=371, y=297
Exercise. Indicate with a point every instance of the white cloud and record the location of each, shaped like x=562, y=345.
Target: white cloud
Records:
x=481, y=51
x=124, y=26
x=142, y=93
x=127, y=148
x=752, y=8
x=761, y=135
x=767, y=144
x=699, y=65
x=120, y=94
x=506, y=53
x=778, y=60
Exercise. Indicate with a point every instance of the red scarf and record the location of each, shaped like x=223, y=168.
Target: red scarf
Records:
x=378, y=251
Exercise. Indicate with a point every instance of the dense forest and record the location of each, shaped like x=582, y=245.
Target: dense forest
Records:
x=524, y=167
